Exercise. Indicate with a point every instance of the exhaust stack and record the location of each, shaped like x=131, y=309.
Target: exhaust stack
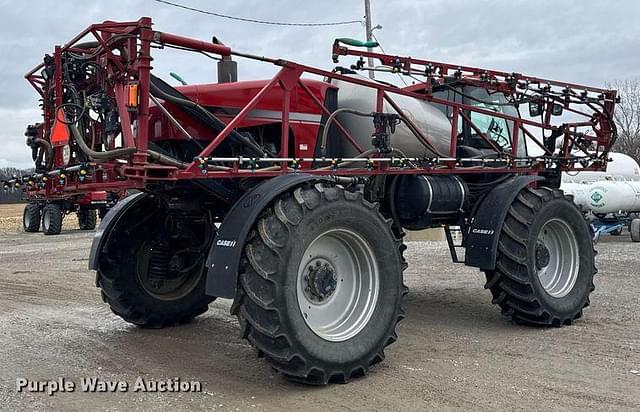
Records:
x=227, y=67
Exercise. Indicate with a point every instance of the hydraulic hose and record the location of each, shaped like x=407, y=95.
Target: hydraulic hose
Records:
x=167, y=160
x=366, y=154
x=122, y=152
x=46, y=152
x=410, y=125
x=172, y=161
x=244, y=140
x=108, y=155
x=331, y=118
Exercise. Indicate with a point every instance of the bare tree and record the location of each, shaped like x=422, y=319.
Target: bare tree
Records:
x=12, y=195
x=627, y=117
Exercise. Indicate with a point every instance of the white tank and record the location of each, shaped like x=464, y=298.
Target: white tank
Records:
x=607, y=196
x=432, y=122
x=621, y=167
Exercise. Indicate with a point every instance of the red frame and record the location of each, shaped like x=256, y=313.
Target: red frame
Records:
x=138, y=37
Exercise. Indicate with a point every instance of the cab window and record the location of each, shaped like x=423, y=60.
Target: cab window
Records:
x=495, y=128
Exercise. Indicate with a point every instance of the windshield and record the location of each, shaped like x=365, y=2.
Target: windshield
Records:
x=495, y=128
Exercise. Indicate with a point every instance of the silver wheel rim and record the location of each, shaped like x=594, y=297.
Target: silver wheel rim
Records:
x=557, y=258
x=27, y=220
x=337, y=286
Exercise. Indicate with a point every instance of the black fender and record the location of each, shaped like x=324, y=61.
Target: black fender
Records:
x=108, y=223
x=224, y=255
x=481, y=242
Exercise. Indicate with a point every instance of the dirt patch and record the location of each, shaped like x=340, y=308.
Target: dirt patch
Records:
x=11, y=219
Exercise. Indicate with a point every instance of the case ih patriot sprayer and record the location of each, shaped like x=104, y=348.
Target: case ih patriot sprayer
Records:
x=290, y=195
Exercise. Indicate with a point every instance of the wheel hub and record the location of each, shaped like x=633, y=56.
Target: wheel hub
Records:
x=557, y=258
x=321, y=281
x=164, y=274
x=543, y=256
x=176, y=263
x=337, y=284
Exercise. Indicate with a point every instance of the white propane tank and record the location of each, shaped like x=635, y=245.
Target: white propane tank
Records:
x=432, y=122
x=606, y=196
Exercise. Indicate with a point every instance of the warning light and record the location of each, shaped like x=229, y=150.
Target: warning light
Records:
x=132, y=90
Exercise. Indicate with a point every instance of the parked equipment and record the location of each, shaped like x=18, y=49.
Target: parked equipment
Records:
x=611, y=201
x=64, y=181
x=275, y=193
x=606, y=196
x=42, y=212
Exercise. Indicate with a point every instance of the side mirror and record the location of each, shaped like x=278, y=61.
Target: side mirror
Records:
x=557, y=109
x=535, y=109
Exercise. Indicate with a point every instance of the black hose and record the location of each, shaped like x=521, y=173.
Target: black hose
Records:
x=108, y=155
x=212, y=120
x=330, y=119
x=168, y=160
x=122, y=152
x=99, y=47
x=46, y=151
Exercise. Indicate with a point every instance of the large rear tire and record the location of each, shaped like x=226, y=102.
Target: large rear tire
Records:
x=321, y=286
x=31, y=218
x=545, y=262
x=52, y=219
x=87, y=219
x=152, y=270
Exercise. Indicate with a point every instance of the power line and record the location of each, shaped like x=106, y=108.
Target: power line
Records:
x=273, y=23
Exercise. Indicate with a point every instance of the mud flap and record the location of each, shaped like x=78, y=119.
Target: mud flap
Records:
x=481, y=242
x=108, y=223
x=224, y=256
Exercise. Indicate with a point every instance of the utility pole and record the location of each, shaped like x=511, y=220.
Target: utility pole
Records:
x=367, y=23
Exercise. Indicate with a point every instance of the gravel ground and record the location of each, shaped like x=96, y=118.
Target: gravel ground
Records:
x=455, y=350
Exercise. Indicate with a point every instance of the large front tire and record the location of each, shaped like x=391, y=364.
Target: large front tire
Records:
x=152, y=270
x=321, y=286
x=545, y=262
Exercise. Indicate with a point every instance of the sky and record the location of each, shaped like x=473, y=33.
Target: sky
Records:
x=582, y=41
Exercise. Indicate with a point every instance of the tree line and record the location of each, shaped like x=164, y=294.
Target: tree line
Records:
x=11, y=195
x=627, y=117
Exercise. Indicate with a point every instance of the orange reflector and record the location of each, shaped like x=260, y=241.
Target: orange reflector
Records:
x=59, y=131
x=133, y=95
